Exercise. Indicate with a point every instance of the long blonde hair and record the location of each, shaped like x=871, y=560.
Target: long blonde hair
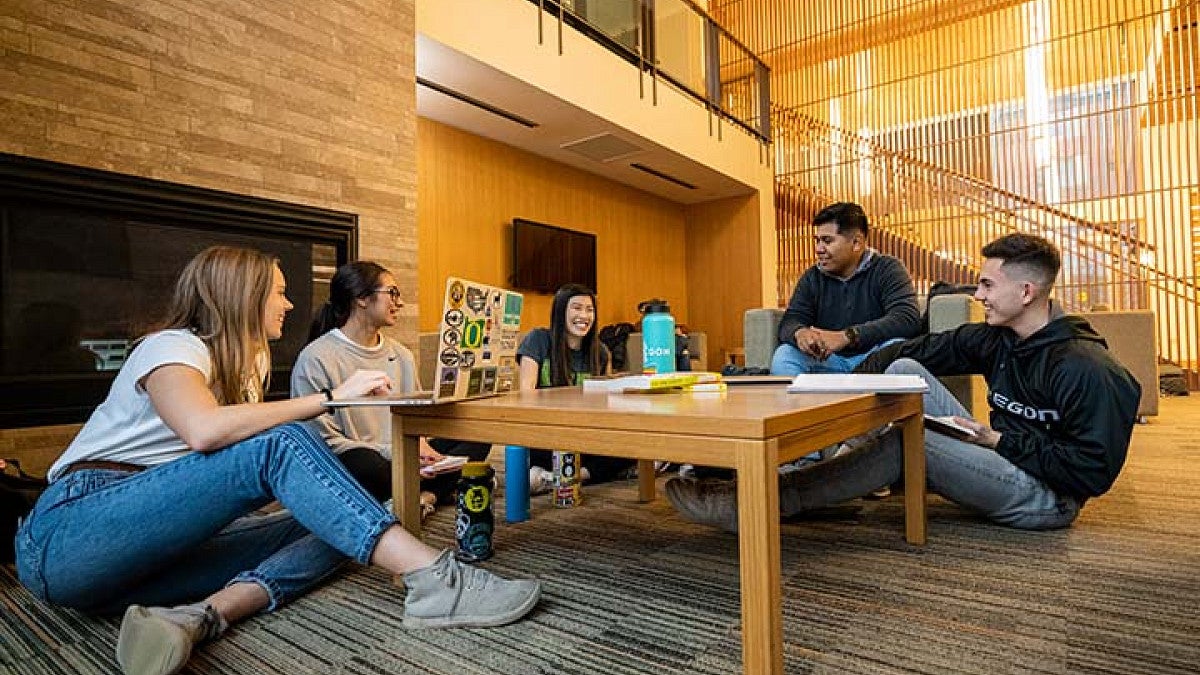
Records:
x=220, y=296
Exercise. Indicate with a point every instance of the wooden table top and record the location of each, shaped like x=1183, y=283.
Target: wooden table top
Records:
x=749, y=412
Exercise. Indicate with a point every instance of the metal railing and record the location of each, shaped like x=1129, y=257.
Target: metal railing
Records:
x=676, y=42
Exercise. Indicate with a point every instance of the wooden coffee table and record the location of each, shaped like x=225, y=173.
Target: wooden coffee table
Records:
x=750, y=429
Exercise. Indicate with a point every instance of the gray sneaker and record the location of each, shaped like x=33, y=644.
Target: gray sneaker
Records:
x=452, y=594
x=159, y=640
x=708, y=501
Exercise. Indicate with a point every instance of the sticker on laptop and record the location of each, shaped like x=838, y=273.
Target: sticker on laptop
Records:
x=456, y=294
x=475, y=383
x=476, y=299
x=489, y=378
x=449, y=379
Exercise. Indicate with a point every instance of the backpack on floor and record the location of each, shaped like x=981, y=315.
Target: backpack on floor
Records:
x=19, y=491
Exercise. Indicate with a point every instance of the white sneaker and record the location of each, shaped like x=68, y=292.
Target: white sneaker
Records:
x=541, y=480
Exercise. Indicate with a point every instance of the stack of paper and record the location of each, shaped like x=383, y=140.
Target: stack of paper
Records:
x=825, y=383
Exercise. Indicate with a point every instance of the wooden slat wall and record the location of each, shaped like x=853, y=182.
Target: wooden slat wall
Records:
x=955, y=122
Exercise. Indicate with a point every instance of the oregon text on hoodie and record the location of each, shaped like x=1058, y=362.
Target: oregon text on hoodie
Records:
x=1064, y=407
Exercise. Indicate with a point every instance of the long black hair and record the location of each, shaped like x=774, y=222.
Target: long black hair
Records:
x=352, y=281
x=561, y=373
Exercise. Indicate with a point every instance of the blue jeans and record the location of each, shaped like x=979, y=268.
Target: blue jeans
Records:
x=969, y=475
x=99, y=540
x=789, y=360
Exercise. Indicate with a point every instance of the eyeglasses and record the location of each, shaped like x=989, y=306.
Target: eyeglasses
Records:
x=392, y=291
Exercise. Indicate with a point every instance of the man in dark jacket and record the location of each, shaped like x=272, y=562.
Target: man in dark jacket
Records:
x=1062, y=411
x=853, y=301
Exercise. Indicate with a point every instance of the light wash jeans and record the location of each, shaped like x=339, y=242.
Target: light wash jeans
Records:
x=789, y=360
x=99, y=540
x=970, y=475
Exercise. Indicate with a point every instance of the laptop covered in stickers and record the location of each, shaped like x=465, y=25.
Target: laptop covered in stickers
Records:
x=477, y=347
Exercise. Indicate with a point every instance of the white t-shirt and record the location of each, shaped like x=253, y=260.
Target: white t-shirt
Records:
x=126, y=427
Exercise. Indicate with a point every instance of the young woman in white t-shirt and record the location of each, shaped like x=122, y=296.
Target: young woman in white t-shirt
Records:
x=153, y=503
x=347, y=335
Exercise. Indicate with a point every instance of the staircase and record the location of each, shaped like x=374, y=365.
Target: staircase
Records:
x=942, y=242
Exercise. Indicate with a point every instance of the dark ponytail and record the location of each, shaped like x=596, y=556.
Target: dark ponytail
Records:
x=351, y=281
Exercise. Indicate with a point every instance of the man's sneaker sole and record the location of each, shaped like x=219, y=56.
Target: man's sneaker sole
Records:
x=151, y=645
x=489, y=621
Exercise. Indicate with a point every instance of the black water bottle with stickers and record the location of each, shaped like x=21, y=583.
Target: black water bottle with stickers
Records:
x=474, y=523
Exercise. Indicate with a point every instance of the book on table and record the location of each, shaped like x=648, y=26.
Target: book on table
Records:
x=649, y=383
x=850, y=383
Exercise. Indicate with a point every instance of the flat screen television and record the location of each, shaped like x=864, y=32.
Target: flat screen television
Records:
x=546, y=257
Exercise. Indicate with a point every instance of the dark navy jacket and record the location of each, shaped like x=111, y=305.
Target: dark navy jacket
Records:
x=878, y=300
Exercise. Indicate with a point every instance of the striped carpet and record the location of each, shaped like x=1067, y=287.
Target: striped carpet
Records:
x=632, y=589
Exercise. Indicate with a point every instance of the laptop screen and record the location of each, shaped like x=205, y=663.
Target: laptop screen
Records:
x=477, y=341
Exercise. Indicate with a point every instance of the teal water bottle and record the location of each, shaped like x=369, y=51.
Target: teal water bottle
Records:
x=658, y=336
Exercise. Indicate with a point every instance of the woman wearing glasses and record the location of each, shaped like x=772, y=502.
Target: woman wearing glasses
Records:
x=346, y=336
x=153, y=504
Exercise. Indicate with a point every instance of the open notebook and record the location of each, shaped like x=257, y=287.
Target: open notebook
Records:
x=477, y=347
x=825, y=383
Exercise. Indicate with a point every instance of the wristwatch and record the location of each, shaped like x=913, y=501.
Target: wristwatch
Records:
x=851, y=336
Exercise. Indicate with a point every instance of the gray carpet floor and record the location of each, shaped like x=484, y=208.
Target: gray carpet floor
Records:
x=632, y=589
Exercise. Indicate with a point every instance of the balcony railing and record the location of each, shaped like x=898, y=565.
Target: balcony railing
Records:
x=677, y=42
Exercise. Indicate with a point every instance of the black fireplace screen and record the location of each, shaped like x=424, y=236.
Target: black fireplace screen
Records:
x=88, y=260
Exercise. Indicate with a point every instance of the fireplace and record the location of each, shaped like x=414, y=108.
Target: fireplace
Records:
x=88, y=260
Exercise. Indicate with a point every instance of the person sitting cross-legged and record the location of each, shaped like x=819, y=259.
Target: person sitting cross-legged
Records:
x=1062, y=411
x=153, y=510
x=347, y=336
x=853, y=301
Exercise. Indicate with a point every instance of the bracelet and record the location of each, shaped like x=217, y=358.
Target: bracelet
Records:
x=328, y=394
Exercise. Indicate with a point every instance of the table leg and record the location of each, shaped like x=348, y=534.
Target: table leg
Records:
x=914, y=479
x=645, y=469
x=758, y=540
x=406, y=477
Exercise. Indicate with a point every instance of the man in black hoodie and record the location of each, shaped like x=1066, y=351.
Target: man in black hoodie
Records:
x=1062, y=411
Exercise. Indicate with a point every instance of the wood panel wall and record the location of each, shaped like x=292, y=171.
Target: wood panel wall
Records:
x=723, y=259
x=305, y=102
x=469, y=190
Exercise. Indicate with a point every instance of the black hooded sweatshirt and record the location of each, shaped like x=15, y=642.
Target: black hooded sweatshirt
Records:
x=1063, y=405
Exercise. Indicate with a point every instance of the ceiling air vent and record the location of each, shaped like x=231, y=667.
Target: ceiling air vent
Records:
x=664, y=176
x=482, y=105
x=602, y=147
